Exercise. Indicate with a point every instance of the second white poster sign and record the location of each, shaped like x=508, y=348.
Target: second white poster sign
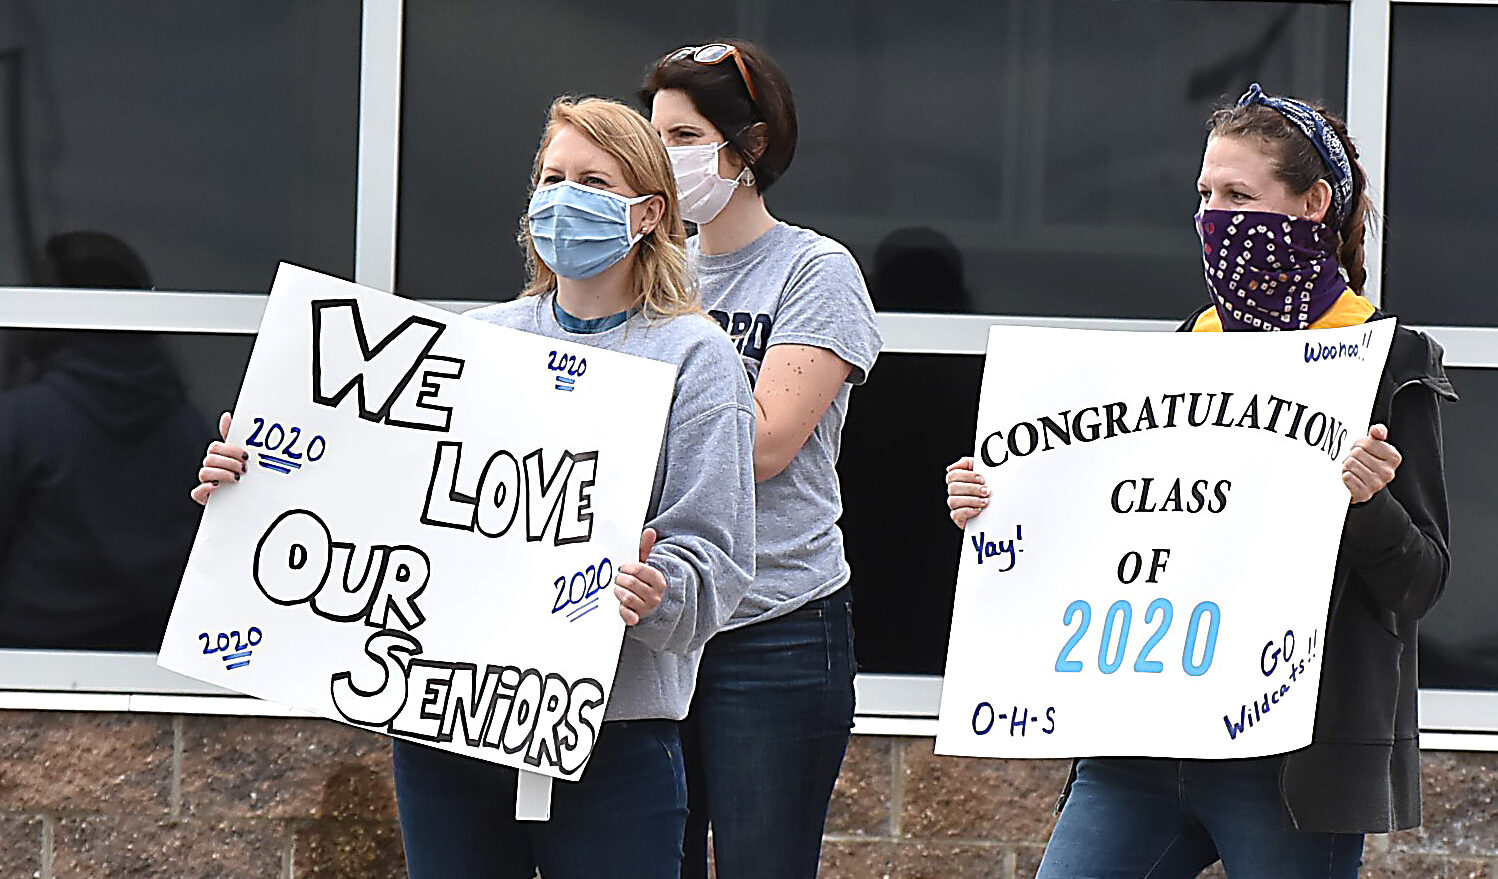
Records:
x=1152, y=575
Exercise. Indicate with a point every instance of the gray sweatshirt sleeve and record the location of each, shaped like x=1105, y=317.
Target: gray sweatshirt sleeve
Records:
x=704, y=515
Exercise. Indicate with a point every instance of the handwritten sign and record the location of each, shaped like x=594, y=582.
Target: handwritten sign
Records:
x=425, y=540
x=1152, y=574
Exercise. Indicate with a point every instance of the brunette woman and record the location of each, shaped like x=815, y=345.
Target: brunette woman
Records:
x=774, y=705
x=1284, y=175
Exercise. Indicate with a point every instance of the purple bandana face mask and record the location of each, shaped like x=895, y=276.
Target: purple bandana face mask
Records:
x=1268, y=271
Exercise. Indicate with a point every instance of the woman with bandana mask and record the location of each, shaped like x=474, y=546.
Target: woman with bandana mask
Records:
x=604, y=237
x=774, y=705
x=1282, y=219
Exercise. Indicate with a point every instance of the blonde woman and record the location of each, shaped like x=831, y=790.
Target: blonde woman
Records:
x=604, y=241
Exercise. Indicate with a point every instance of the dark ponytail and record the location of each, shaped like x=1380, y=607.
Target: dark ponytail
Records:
x=1352, y=235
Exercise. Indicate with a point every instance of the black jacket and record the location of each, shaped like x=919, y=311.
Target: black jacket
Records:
x=96, y=456
x=1361, y=773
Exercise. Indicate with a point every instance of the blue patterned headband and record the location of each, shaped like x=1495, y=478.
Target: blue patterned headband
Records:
x=1315, y=127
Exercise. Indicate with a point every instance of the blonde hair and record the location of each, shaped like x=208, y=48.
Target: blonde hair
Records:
x=662, y=281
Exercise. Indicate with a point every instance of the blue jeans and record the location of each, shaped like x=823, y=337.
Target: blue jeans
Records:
x=1140, y=818
x=765, y=740
x=623, y=819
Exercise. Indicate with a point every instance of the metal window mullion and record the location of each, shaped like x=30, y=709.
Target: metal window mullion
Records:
x=154, y=311
x=1368, y=115
x=133, y=310
x=967, y=334
x=904, y=333
x=379, y=144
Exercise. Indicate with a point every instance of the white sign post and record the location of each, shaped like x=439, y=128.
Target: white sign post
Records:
x=1152, y=575
x=425, y=540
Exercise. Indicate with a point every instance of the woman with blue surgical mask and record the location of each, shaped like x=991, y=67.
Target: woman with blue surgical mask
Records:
x=774, y=705
x=1281, y=222
x=604, y=244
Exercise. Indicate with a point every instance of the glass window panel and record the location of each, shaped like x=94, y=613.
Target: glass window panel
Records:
x=216, y=137
x=101, y=437
x=1047, y=152
x=1459, y=639
x=891, y=453
x=915, y=416
x=478, y=78
x=1440, y=143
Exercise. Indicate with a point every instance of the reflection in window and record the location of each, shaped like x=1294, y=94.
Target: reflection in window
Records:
x=1054, y=145
x=100, y=441
x=1033, y=136
x=1439, y=135
x=218, y=136
x=914, y=417
x=472, y=115
x=1459, y=639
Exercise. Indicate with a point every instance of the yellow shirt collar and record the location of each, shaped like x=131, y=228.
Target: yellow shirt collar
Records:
x=1349, y=310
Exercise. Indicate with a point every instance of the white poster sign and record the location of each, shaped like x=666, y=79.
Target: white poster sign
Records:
x=1152, y=574
x=425, y=539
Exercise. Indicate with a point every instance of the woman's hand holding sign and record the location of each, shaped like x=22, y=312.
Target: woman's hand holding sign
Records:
x=1370, y=465
x=639, y=587
x=966, y=493
x=223, y=463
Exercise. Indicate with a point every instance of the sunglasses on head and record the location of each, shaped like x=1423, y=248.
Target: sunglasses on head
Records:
x=715, y=53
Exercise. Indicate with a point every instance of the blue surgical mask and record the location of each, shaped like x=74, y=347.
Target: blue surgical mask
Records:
x=580, y=231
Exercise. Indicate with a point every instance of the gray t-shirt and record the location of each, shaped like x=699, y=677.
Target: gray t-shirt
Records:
x=792, y=286
x=701, y=506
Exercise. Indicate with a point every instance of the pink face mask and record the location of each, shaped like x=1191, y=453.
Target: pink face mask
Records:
x=701, y=192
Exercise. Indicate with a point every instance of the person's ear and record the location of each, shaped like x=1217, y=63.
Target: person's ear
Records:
x=652, y=210
x=756, y=141
x=1318, y=201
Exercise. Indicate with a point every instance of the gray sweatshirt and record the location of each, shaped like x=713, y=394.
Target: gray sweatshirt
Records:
x=701, y=506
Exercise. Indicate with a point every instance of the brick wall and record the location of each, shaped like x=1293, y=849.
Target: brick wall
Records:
x=902, y=813
x=109, y=796
x=90, y=796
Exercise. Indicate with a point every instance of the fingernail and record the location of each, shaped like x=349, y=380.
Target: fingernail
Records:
x=985, y=492
x=245, y=456
x=236, y=476
x=213, y=482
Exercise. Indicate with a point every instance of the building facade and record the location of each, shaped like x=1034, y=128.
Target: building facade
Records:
x=1022, y=161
